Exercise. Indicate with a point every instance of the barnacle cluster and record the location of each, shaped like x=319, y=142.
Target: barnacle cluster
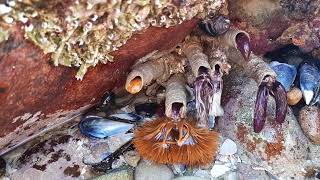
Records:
x=83, y=33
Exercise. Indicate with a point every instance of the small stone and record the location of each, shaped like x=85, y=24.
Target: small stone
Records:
x=126, y=174
x=178, y=169
x=309, y=119
x=4, y=9
x=132, y=158
x=228, y=147
x=190, y=178
x=294, y=96
x=148, y=170
x=219, y=170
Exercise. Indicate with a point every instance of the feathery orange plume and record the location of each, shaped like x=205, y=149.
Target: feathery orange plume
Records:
x=165, y=141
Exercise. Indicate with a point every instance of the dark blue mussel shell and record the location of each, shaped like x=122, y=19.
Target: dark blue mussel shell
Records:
x=286, y=73
x=309, y=79
x=99, y=127
x=126, y=117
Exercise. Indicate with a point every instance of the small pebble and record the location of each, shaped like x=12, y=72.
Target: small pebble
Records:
x=148, y=170
x=219, y=170
x=294, y=96
x=132, y=158
x=309, y=119
x=228, y=147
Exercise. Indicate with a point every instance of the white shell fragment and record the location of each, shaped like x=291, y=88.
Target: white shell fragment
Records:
x=219, y=170
x=228, y=147
x=4, y=9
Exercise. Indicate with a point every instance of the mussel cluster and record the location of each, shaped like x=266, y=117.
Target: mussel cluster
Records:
x=300, y=74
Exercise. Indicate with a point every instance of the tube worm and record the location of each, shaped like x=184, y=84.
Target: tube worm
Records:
x=157, y=69
x=175, y=139
x=265, y=77
x=176, y=97
x=235, y=43
x=203, y=84
x=239, y=40
x=197, y=59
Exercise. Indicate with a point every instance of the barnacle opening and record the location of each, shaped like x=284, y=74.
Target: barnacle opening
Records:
x=135, y=85
x=203, y=70
x=176, y=109
x=241, y=36
x=217, y=69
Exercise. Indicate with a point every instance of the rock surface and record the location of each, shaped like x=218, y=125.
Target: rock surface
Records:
x=35, y=95
x=309, y=119
x=126, y=174
x=147, y=170
x=276, y=143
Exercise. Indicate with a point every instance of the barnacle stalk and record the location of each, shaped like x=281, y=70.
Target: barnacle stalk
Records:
x=156, y=69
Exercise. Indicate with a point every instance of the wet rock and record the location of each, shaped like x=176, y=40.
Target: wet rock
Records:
x=178, y=169
x=276, y=144
x=147, y=170
x=98, y=152
x=190, y=178
x=309, y=119
x=294, y=96
x=219, y=170
x=132, y=158
x=228, y=147
x=247, y=172
x=126, y=174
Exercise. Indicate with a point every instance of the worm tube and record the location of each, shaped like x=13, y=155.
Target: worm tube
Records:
x=176, y=97
x=156, y=69
x=237, y=40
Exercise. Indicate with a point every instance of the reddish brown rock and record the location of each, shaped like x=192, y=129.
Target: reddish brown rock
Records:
x=35, y=95
x=309, y=119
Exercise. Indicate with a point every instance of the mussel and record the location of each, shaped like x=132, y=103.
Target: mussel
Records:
x=99, y=127
x=286, y=73
x=309, y=79
x=126, y=117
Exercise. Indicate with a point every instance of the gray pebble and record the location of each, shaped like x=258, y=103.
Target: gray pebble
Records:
x=191, y=178
x=151, y=171
x=126, y=174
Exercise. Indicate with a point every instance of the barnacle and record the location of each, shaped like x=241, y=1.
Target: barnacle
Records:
x=84, y=33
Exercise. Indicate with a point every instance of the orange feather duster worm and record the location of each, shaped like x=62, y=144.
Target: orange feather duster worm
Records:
x=167, y=141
